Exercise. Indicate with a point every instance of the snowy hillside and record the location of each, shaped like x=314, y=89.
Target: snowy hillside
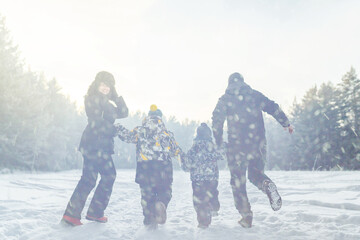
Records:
x=316, y=205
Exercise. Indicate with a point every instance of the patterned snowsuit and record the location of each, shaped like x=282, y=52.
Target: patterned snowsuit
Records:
x=155, y=147
x=201, y=161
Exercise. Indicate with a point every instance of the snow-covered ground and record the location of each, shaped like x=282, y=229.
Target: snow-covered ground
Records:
x=316, y=205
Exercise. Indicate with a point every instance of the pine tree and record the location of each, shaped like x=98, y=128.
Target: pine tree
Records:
x=329, y=156
x=10, y=75
x=349, y=107
x=38, y=125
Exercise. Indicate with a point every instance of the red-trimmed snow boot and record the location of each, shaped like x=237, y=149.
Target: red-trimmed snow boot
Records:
x=71, y=221
x=97, y=219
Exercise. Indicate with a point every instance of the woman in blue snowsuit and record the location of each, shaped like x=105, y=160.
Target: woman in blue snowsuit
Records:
x=102, y=106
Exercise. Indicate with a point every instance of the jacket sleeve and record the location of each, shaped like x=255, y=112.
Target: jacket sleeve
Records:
x=94, y=111
x=127, y=135
x=174, y=148
x=220, y=155
x=121, y=108
x=189, y=160
x=273, y=109
x=218, y=119
x=216, y=154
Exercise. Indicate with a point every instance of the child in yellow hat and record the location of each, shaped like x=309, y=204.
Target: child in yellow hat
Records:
x=155, y=148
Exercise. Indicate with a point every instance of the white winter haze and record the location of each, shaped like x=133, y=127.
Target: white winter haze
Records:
x=179, y=54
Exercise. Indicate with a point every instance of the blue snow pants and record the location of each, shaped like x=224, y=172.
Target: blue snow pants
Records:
x=93, y=165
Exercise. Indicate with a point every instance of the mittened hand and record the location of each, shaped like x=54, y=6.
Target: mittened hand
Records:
x=114, y=131
x=114, y=95
x=290, y=129
x=222, y=150
x=224, y=145
x=119, y=100
x=119, y=127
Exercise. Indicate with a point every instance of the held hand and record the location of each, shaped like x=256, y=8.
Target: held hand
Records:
x=222, y=147
x=119, y=127
x=289, y=128
x=222, y=150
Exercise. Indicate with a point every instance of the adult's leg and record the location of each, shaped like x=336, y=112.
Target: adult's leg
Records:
x=256, y=173
x=238, y=164
x=83, y=188
x=260, y=179
x=103, y=191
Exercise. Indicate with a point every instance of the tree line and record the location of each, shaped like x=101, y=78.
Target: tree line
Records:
x=40, y=128
x=326, y=129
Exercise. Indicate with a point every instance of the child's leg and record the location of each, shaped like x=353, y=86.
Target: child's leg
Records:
x=163, y=197
x=148, y=199
x=164, y=193
x=201, y=202
x=214, y=196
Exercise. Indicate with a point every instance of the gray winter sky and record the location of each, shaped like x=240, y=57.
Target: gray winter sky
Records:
x=178, y=54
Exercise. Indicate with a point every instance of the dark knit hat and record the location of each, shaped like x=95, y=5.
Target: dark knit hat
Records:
x=235, y=78
x=203, y=132
x=154, y=111
x=106, y=78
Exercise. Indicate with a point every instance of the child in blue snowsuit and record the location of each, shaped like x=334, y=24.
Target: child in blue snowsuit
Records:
x=201, y=161
x=155, y=147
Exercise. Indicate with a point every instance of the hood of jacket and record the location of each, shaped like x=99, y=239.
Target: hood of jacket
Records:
x=153, y=123
x=237, y=88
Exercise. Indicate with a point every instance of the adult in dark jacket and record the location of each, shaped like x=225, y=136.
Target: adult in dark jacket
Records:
x=242, y=107
x=102, y=106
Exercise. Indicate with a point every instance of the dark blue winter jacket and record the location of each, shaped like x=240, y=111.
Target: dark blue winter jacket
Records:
x=98, y=136
x=242, y=107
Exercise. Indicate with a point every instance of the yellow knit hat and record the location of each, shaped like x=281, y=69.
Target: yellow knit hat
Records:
x=154, y=111
x=153, y=108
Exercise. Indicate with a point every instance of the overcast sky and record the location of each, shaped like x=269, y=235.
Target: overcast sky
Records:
x=178, y=54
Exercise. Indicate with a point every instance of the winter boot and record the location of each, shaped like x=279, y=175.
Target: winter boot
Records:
x=71, y=221
x=151, y=227
x=204, y=218
x=246, y=221
x=203, y=226
x=274, y=197
x=97, y=219
x=150, y=223
x=160, y=212
x=214, y=213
